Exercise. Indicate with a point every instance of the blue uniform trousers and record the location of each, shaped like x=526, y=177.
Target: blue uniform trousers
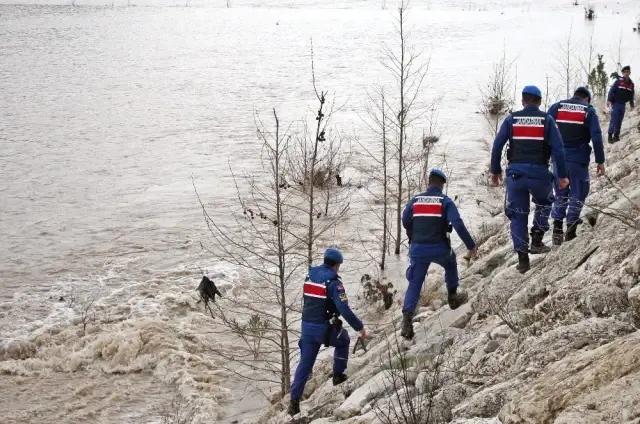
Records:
x=617, y=115
x=519, y=191
x=573, y=196
x=417, y=272
x=311, y=339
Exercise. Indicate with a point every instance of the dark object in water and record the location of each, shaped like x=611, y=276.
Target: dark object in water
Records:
x=208, y=291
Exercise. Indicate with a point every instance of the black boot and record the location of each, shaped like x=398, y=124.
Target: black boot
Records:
x=339, y=379
x=571, y=231
x=616, y=138
x=407, y=325
x=456, y=299
x=537, y=246
x=610, y=138
x=294, y=407
x=523, y=262
x=558, y=234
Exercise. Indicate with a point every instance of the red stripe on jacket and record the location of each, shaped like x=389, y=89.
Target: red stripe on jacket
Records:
x=427, y=209
x=315, y=290
x=571, y=116
x=528, y=131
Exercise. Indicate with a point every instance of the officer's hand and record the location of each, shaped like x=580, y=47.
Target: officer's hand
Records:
x=563, y=183
x=600, y=170
x=608, y=104
x=363, y=333
x=474, y=252
x=496, y=178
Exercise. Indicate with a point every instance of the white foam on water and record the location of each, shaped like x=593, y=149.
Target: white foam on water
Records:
x=153, y=327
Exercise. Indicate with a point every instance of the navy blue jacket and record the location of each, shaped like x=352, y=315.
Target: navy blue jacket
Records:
x=531, y=170
x=324, y=296
x=419, y=232
x=622, y=91
x=578, y=123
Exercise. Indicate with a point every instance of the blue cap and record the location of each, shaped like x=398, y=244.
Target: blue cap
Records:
x=334, y=255
x=439, y=173
x=533, y=90
x=584, y=90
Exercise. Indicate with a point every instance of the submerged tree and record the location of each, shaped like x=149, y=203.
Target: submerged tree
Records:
x=496, y=94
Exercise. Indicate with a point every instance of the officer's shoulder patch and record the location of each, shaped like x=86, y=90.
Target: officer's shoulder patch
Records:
x=341, y=287
x=343, y=296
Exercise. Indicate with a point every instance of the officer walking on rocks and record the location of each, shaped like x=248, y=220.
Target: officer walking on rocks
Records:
x=533, y=137
x=621, y=92
x=579, y=125
x=324, y=300
x=428, y=219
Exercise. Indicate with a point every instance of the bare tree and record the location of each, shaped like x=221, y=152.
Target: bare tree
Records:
x=406, y=66
x=588, y=62
x=616, y=51
x=84, y=309
x=269, y=239
x=264, y=240
x=378, y=122
x=316, y=161
x=565, y=62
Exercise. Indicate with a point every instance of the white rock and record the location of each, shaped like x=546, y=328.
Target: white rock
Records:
x=502, y=332
x=634, y=298
x=363, y=394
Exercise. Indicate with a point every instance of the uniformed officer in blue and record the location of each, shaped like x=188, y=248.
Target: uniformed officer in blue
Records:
x=533, y=137
x=621, y=92
x=578, y=124
x=324, y=300
x=428, y=219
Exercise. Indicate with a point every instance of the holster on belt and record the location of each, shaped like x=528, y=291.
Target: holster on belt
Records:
x=336, y=323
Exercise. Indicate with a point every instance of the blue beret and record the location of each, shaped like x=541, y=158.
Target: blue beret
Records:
x=334, y=255
x=533, y=90
x=439, y=173
x=584, y=90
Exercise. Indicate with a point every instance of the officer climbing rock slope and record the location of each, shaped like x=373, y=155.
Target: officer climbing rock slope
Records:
x=324, y=300
x=533, y=137
x=578, y=124
x=621, y=92
x=428, y=219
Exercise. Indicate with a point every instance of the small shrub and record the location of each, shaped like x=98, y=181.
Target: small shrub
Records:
x=590, y=12
x=378, y=291
x=430, y=139
x=179, y=411
x=598, y=80
x=497, y=106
